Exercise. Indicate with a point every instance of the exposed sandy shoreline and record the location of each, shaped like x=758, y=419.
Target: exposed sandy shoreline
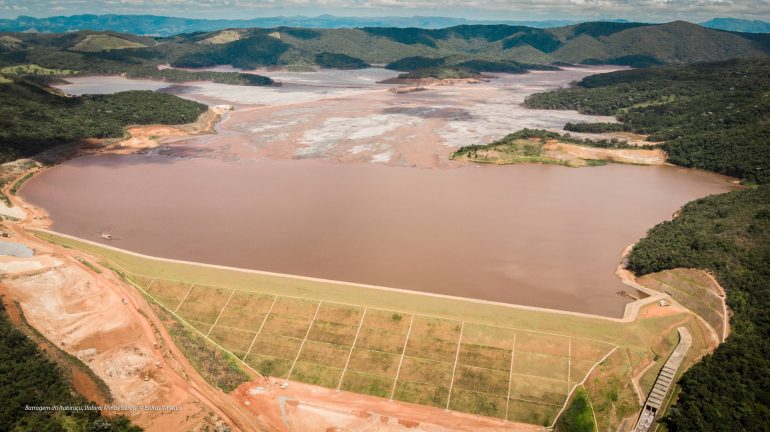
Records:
x=346, y=116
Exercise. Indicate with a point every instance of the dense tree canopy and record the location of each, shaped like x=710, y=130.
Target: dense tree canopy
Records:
x=339, y=61
x=250, y=53
x=711, y=115
x=408, y=64
x=728, y=235
x=133, y=63
x=441, y=72
x=544, y=136
x=418, y=63
x=32, y=119
x=579, y=416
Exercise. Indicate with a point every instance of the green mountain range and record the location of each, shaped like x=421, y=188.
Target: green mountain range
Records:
x=633, y=44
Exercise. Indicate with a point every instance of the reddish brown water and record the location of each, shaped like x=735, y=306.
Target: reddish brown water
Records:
x=537, y=235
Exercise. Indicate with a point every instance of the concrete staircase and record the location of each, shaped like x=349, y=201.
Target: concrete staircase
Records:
x=663, y=383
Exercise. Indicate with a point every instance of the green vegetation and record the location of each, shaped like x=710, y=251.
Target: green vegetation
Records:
x=441, y=72
x=728, y=235
x=711, y=116
x=481, y=48
x=221, y=37
x=219, y=368
x=636, y=61
x=579, y=416
x=529, y=146
x=339, y=61
x=670, y=43
x=132, y=63
x=302, y=33
x=31, y=379
x=33, y=69
x=181, y=75
x=543, y=136
x=502, y=66
x=101, y=42
x=406, y=36
x=506, y=151
x=19, y=182
x=33, y=119
x=694, y=290
x=536, y=38
x=597, y=127
x=88, y=264
x=526, y=145
x=420, y=63
x=603, y=28
x=598, y=42
x=507, y=36
x=249, y=53
x=49, y=58
x=408, y=64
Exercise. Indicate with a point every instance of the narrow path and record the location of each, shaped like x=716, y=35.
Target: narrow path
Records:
x=635, y=382
x=725, y=309
x=454, y=367
x=352, y=347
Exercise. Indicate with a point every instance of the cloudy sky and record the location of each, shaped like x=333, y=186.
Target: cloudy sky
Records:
x=635, y=10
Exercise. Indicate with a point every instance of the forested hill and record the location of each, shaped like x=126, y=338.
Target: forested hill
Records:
x=728, y=235
x=712, y=116
x=632, y=44
x=32, y=119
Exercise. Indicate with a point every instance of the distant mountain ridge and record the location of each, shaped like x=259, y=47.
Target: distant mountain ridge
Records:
x=486, y=48
x=152, y=25
x=738, y=25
